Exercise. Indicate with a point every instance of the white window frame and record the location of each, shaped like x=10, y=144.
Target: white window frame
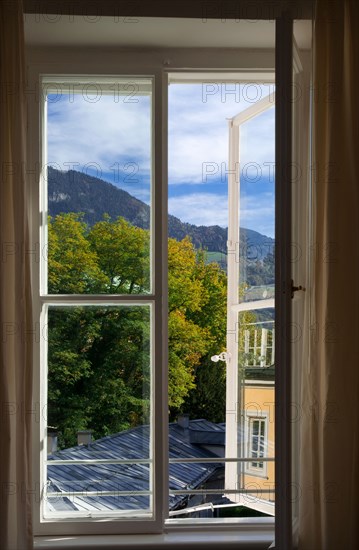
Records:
x=234, y=306
x=157, y=297
x=151, y=63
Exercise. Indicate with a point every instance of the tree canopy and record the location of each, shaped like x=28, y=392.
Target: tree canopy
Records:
x=99, y=356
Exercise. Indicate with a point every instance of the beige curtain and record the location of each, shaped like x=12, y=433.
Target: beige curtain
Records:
x=15, y=301
x=329, y=502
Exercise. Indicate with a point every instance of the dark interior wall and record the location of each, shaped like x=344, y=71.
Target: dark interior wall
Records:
x=210, y=9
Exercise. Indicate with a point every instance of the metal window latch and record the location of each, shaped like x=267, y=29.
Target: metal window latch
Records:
x=296, y=288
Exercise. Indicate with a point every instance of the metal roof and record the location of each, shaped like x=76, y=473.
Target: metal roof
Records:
x=132, y=444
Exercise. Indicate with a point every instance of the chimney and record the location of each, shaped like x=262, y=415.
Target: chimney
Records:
x=183, y=421
x=51, y=440
x=84, y=437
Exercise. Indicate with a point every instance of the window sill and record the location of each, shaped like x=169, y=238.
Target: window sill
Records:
x=163, y=542
x=248, y=537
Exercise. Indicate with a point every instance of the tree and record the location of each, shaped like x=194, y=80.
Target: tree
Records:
x=123, y=253
x=99, y=356
x=187, y=340
x=72, y=265
x=208, y=396
x=99, y=374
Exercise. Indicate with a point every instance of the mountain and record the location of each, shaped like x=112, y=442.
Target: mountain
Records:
x=74, y=191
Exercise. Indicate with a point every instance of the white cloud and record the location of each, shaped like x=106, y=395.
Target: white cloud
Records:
x=110, y=134
x=256, y=213
x=198, y=134
x=104, y=132
x=200, y=209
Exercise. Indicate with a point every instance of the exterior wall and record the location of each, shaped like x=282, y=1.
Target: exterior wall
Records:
x=258, y=401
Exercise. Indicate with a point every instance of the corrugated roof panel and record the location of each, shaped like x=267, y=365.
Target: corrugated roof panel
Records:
x=130, y=444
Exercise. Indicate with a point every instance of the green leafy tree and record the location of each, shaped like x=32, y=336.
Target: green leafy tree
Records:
x=123, y=253
x=99, y=357
x=207, y=398
x=72, y=265
x=187, y=340
x=99, y=374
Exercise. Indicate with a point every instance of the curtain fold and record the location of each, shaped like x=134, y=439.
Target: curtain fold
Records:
x=15, y=290
x=329, y=461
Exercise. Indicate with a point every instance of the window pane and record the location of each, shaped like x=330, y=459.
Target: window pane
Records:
x=220, y=258
x=256, y=307
x=197, y=221
x=98, y=181
x=257, y=442
x=99, y=409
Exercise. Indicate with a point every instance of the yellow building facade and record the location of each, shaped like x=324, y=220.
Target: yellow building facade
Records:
x=257, y=441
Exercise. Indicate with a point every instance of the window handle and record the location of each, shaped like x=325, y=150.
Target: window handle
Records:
x=296, y=288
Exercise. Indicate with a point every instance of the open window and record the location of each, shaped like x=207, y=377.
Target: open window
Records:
x=112, y=287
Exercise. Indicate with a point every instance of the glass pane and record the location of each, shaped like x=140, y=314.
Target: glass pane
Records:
x=255, y=330
x=98, y=181
x=99, y=410
x=218, y=349
x=257, y=186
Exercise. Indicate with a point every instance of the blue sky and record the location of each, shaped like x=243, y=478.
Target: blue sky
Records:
x=112, y=140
